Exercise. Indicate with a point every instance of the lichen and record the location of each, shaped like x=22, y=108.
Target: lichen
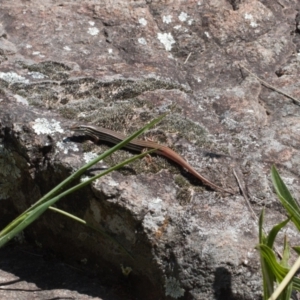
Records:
x=45, y=126
x=173, y=288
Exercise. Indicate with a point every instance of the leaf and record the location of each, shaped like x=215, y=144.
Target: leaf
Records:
x=286, y=253
x=286, y=198
x=261, y=235
x=278, y=270
x=32, y=213
x=268, y=276
x=297, y=249
x=274, y=231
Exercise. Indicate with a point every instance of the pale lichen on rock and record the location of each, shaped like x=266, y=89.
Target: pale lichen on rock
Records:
x=172, y=288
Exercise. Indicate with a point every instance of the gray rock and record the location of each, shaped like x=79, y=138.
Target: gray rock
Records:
x=119, y=64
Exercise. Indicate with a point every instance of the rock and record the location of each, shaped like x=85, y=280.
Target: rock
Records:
x=119, y=65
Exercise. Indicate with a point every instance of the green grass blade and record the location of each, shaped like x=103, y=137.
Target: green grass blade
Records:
x=294, y=214
x=274, y=231
x=286, y=253
x=27, y=219
x=286, y=198
x=79, y=172
x=13, y=224
x=270, y=258
x=82, y=170
x=279, y=271
x=261, y=235
x=34, y=213
x=286, y=293
x=297, y=249
x=281, y=188
x=287, y=279
x=268, y=276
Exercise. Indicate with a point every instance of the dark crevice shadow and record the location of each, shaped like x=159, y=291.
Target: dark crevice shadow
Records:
x=222, y=285
x=34, y=266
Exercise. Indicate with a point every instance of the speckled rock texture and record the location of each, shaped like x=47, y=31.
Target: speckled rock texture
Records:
x=119, y=64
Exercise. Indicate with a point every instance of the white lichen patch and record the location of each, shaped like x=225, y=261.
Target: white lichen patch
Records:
x=21, y=100
x=89, y=156
x=112, y=182
x=92, y=23
x=155, y=205
x=93, y=31
x=190, y=21
x=142, y=41
x=166, y=39
x=84, y=178
x=207, y=34
x=66, y=147
x=248, y=16
x=172, y=288
x=152, y=222
x=45, y=126
x=251, y=19
x=67, y=48
x=13, y=77
x=167, y=19
x=143, y=21
x=183, y=16
x=37, y=75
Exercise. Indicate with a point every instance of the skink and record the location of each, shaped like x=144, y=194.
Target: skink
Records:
x=99, y=133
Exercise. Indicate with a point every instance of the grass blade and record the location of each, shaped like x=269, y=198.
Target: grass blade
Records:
x=274, y=231
x=286, y=198
x=27, y=218
x=38, y=208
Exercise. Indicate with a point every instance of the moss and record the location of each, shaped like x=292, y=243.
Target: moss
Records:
x=88, y=147
x=67, y=113
x=53, y=70
x=181, y=181
x=184, y=196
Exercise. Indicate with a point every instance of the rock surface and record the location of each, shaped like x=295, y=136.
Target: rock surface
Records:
x=119, y=64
